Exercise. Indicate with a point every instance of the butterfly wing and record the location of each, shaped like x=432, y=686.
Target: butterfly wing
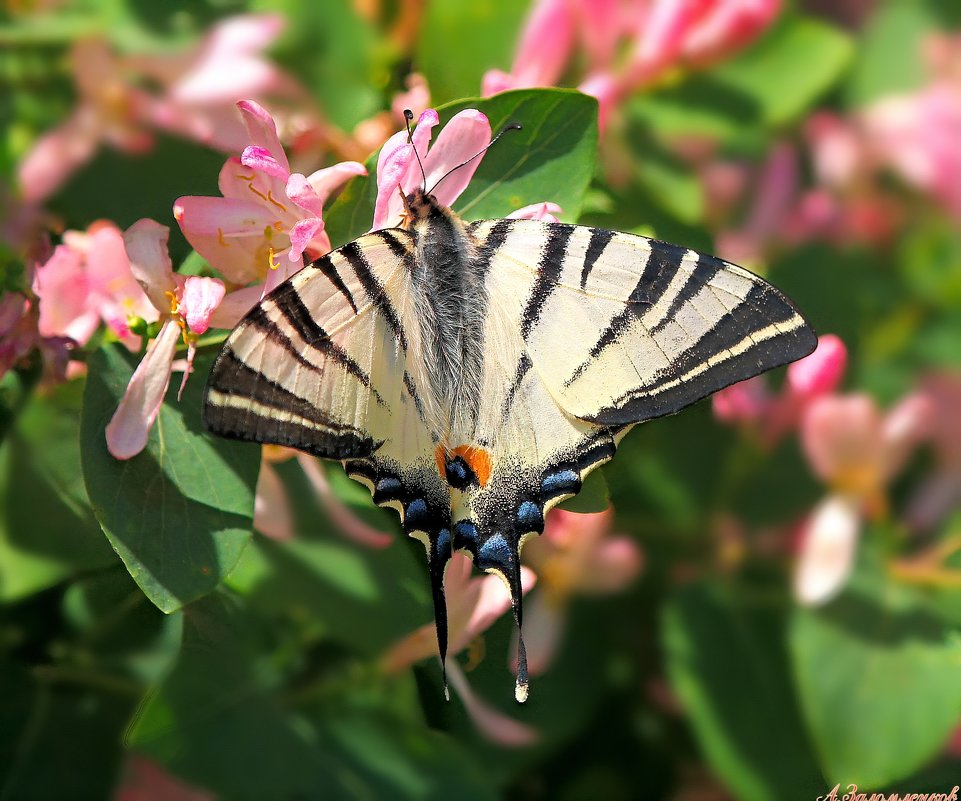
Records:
x=320, y=364
x=589, y=332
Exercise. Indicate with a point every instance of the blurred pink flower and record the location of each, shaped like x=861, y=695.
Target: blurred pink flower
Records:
x=462, y=139
x=660, y=35
x=474, y=603
x=185, y=306
x=18, y=329
x=87, y=280
x=751, y=403
x=576, y=555
x=940, y=492
x=195, y=92
x=268, y=217
x=856, y=451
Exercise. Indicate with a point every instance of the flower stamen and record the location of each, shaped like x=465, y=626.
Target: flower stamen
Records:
x=270, y=197
x=256, y=191
x=220, y=238
x=271, y=263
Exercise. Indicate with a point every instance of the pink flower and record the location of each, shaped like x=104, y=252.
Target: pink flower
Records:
x=574, y=556
x=186, y=306
x=18, y=329
x=268, y=217
x=856, y=451
x=750, y=403
x=88, y=280
x=462, y=140
x=661, y=35
x=474, y=603
x=195, y=92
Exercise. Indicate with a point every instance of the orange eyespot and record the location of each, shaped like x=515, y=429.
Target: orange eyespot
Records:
x=477, y=459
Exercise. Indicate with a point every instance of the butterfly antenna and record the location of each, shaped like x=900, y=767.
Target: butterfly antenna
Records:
x=408, y=117
x=514, y=126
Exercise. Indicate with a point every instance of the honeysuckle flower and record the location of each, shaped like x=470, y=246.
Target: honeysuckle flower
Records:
x=462, y=139
x=195, y=91
x=474, y=603
x=18, y=329
x=659, y=35
x=940, y=491
x=268, y=217
x=856, y=451
x=751, y=403
x=185, y=305
x=576, y=555
x=87, y=280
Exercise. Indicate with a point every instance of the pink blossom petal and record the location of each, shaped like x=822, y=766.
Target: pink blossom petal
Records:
x=302, y=234
x=493, y=602
x=112, y=281
x=464, y=137
x=263, y=131
x=546, y=44
x=494, y=725
x=328, y=180
x=129, y=428
x=272, y=513
x=606, y=89
x=258, y=158
x=199, y=299
x=820, y=372
x=496, y=81
x=61, y=284
x=613, y=564
x=233, y=180
x=416, y=97
x=58, y=153
x=234, y=306
x=340, y=515
x=743, y=402
x=187, y=368
x=905, y=426
x=727, y=27
x=827, y=549
x=304, y=195
x=842, y=436
x=537, y=211
x=146, y=245
x=393, y=166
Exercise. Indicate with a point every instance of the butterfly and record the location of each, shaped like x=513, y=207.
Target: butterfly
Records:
x=471, y=374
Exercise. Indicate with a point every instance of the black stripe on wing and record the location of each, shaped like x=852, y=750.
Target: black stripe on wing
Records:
x=242, y=403
x=548, y=274
x=762, y=332
x=295, y=314
x=356, y=258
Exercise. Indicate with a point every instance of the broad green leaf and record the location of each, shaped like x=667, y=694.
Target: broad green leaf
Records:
x=47, y=528
x=460, y=41
x=790, y=68
x=877, y=673
x=888, y=59
x=179, y=513
x=59, y=738
x=726, y=662
x=551, y=159
x=767, y=86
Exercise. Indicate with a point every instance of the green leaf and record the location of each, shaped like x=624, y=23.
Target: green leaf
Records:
x=790, y=68
x=670, y=183
x=888, y=59
x=768, y=86
x=47, y=528
x=460, y=41
x=58, y=739
x=726, y=662
x=179, y=513
x=877, y=672
x=551, y=159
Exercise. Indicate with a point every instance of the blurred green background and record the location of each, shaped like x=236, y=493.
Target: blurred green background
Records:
x=784, y=612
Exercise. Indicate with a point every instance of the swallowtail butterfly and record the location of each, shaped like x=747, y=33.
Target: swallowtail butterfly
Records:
x=471, y=374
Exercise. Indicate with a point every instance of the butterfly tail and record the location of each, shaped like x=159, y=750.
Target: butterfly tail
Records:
x=438, y=555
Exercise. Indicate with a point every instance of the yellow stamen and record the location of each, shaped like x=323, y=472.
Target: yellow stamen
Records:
x=220, y=238
x=174, y=303
x=247, y=177
x=270, y=197
x=279, y=226
x=273, y=265
x=256, y=191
